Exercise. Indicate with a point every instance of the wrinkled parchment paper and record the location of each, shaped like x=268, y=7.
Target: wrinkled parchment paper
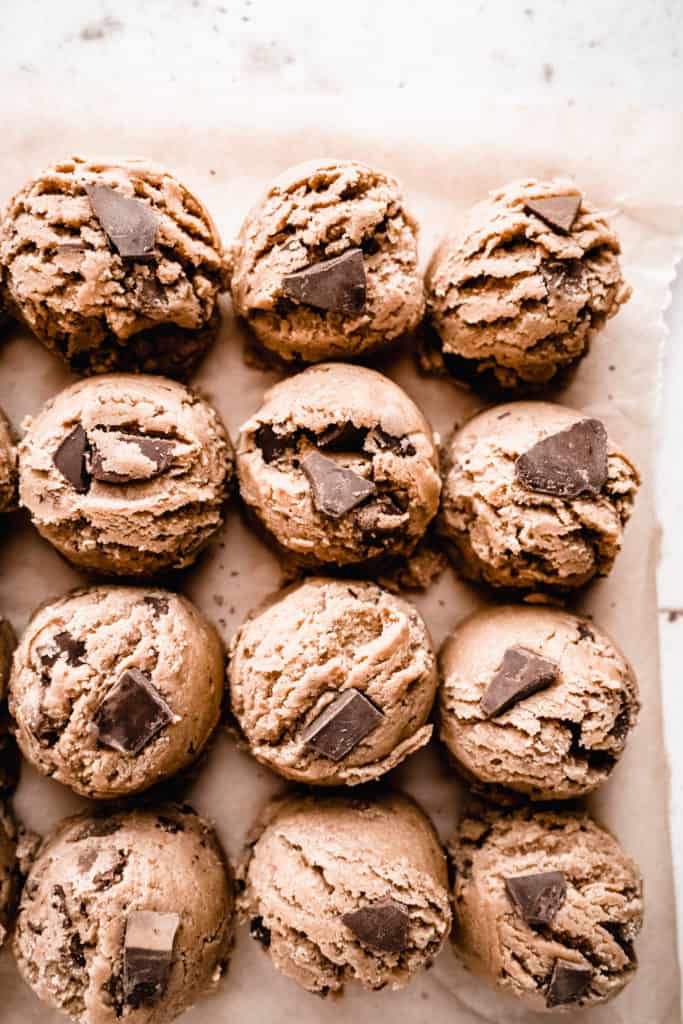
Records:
x=627, y=164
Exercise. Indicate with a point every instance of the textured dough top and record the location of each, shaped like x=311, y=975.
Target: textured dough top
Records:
x=9, y=872
x=8, y=467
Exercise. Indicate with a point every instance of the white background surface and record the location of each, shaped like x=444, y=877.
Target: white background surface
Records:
x=605, y=52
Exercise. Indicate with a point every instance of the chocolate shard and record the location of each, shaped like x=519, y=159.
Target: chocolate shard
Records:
x=342, y=437
x=537, y=898
x=559, y=212
x=129, y=224
x=121, y=458
x=272, y=445
x=335, y=490
x=131, y=714
x=568, y=984
x=62, y=643
x=380, y=925
x=71, y=459
x=158, y=603
x=567, y=464
x=381, y=516
x=148, y=955
x=342, y=725
x=521, y=674
x=336, y=285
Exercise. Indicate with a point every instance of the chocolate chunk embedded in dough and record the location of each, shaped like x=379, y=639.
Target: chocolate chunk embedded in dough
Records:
x=335, y=490
x=336, y=285
x=71, y=459
x=148, y=954
x=537, y=898
x=559, y=212
x=62, y=643
x=569, y=982
x=121, y=458
x=342, y=437
x=342, y=725
x=131, y=714
x=130, y=224
x=272, y=445
x=567, y=464
x=521, y=674
x=381, y=925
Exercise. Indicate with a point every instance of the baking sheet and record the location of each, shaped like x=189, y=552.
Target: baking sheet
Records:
x=627, y=163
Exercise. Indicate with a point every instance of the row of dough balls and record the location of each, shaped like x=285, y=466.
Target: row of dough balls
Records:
x=129, y=475
x=118, y=267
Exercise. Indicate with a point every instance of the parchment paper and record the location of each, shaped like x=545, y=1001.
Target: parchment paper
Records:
x=627, y=163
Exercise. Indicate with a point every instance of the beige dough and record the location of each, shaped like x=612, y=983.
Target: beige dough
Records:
x=558, y=743
x=513, y=299
x=99, y=310
x=314, y=860
x=138, y=525
x=311, y=213
x=8, y=467
x=294, y=655
x=9, y=871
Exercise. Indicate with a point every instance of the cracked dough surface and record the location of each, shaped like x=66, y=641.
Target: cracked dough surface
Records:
x=99, y=311
x=88, y=876
x=119, y=628
x=315, y=859
x=595, y=926
x=8, y=467
x=503, y=534
x=513, y=300
x=393, y=446
x=316, y=211
x=293, y=656
x=562, y=741
x=141, y=527
x=9, y=871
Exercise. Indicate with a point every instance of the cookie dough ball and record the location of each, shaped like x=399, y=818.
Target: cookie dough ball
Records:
x=116, y=688
x=8, y=466
x=126, y=475
x=536, y=497
x=339, y=465
x=127, y=916
x=516, y=296
x=548, y=906
x=339, y=889
x=332, y=683
x=114, y=266
x=326, y=263
x=9, y=871
x=535, y=700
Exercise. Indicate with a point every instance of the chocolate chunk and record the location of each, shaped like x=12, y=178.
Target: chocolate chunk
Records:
x=116, y=457
x=342, y=437
x=71, y=459
x=380, y=925
x=272, y=445
x=381, y=516
x=569, y=982
x=335, y=490
x=62, y=643
x=337, y=285
x=130, y=224
x=567, y=464
x=342, y=725
x=259, y=931
x=387, y=442
x=159, y=605
x=131, y=714
x=148, y=954
x=585, y=632
x=537, y=898
x=559, y=212
x=521, y=674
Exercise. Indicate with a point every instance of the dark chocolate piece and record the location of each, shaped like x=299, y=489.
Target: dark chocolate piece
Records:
x=537, y=898
x=131, y=714
x=157, y=451
x=567, y=464
x=521, y=674
x=148, y=954
x=62, y=643
x=380, y=925
x=559, y=212
x=157, y=603
x=272, y=445
x=342, y=725
x=336, y=285
x=569, y=982
x=381, y=516
x=130, y=224
x=335, y=490
x=342, y=437
x=259, y=931
x=71, y=459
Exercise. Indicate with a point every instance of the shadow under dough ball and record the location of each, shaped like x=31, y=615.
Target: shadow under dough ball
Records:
x=340, y=467
x=535, y=497
x=114, y=689
x=325, y=265
x=126, y=475
x=9, y=871
x=8, y=467
x=126, y=916
x=516, y=295
x=114, y=266
x=534, y=700
x=332, y=683
x=338, y=889
x=548, y=906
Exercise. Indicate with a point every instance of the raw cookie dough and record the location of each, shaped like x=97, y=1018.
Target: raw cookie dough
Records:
x=534, y=516
x=9, y=871
x=516, y=295
x=339, y=465
x=536, y=700
x=126, y=917
x=561, y=941
x=116, y=688
x=339, y=889
x=332, y=682
x=8, y=467
x=301, y=306
x=114, y=266
x=126, y=475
